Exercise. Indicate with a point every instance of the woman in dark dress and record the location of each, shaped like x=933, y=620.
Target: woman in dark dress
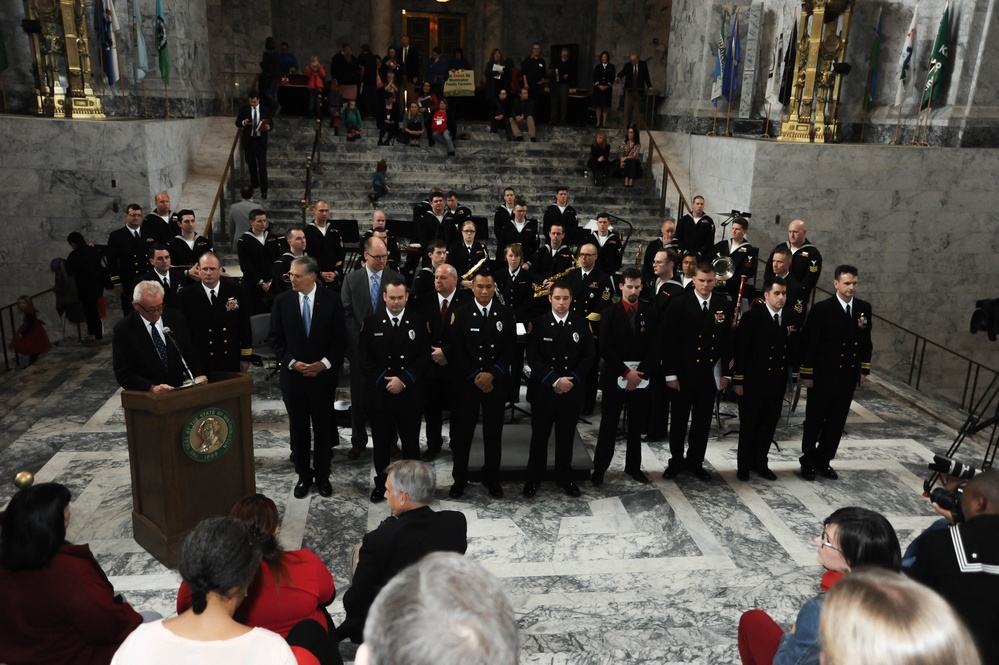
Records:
x=629, y=157
x=496, y=75
x=599, y=162
x=603, y=88
x=84, y=265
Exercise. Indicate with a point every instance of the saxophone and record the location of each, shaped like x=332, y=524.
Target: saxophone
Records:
x=542, y=291
x=471, y=272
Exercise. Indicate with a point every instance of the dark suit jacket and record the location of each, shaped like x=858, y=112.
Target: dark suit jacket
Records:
x=327, y=337
x=428, y=309
x=764, y=351
x=357, y=300
x=635, y=76
x=696, y=342
x=833, y=344
x=178, y=278
x=137, y=365
x=220, y=333
x=555, y=351
x=387, y=351
x=397, y=543
x=621, y=344
x=696, y=236
x=127, y=256
x=475, y=345
x=245, y=114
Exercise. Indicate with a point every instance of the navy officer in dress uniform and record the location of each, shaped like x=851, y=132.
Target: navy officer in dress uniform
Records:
x=743, y=257
x=698, y=330
x=218, y=318
x=480, y=345
x=395, y=354
x=325, y=245
x=592, y=291
x=560, y=352
x=806, y=261
x=126, y=254
x=515, y=287
x=631, y=352
x=765, y=346
x=835, y=359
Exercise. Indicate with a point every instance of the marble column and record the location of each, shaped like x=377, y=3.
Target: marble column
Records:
x=380, y=31
x=492, y=29
x=751, y=66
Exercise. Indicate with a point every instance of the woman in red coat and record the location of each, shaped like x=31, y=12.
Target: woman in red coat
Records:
x=290, y=593
x=57, y=606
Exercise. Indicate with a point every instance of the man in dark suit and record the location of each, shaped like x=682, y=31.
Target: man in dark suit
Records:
x=593, y=292
x=480, y=347
x=409, y=63
x=362, y=294
x=835, y=359
x=560, y=352
x=324, y=243
x=256, y=121
x=697, y=329
x=659, y=293
x=413, y=531
x=695, y=232
x=127, y=254
x=765, y=346
x=309, y=334
x=631, y=347
x=566, y=78
x=170, y=278
x=219, y=318
x=435, y=308
x=395, y=354
x=635, y=74
x=144, y=348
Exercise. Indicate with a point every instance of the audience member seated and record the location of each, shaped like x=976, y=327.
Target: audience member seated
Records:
x=353, y=123
x=388, y=121
x=629, y=157
x=412, y=124
x=522, y=116
x=851, y=538
x=438, y=128
x=427, y=101
x=218, y=560
x=411, y=532
x=874, y=617
x=444, y=610
x=960, y=562
x=499, y=114
x=599, y=162
x=57, y=605
x=290, y=588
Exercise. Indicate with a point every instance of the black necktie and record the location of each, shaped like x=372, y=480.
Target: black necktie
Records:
x=705, y=310
x=561, y=323
x=777, y=319
x=213, y=297
x=849, y=315
x=395, y=322
x=484, y=312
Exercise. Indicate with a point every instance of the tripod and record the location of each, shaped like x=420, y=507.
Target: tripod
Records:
x=978, y=419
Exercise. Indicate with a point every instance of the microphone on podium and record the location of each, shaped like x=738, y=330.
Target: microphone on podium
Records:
x=190, y=376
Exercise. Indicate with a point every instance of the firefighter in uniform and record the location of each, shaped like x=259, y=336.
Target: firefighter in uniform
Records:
x=592, y=291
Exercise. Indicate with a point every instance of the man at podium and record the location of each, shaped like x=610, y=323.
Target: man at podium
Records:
x=148, y=344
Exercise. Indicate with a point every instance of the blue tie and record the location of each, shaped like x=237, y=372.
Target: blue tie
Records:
x=306, y=315
x=160, y=346
x=374, y=292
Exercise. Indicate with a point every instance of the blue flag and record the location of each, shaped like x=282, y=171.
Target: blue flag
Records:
x=105, y=24
x=731, y=76
x=717, y=83
x=162, y=47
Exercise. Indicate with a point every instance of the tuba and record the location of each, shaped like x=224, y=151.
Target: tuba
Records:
x=724, y=268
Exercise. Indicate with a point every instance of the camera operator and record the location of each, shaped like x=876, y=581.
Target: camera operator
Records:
x=961, y=562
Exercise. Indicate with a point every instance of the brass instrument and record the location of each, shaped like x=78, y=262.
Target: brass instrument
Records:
x=724, y=268
x=542, y=291
x=471, y=272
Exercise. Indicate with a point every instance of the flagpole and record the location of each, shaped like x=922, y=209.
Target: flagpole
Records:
x=732, y=75
x=766, y=128
x=166, y=98
x=919, y=112
x=926, y=124
x=121, y=78
x=714, y=123
x=898, y=124
x=145, y=107
x=3, y=92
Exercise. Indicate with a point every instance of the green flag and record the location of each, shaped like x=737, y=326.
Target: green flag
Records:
x=3, y=53
x=938, y=63
x=161, y=44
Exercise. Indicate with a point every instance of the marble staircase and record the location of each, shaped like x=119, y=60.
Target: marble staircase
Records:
x=484, y=165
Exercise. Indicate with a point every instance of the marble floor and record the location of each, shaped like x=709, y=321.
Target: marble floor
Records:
x=624, y=574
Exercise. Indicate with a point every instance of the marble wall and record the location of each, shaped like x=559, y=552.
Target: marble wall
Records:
x=913, y=220
x=82, y=181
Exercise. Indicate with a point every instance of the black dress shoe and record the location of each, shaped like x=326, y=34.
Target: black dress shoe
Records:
x=430, y=455
x=377, y=494
x=457, y=490
x=767, y=473
x=325, y=488
x=702, y=473
x=742, y=475
x=638, y=476
x=355, y=452
x=571, y=489
x=302, y=488
x=597, y=478
x=530, y=489
x=829, y=472
x=495, y=489
x=807, y=473
x=586, y=412
x=671, y=471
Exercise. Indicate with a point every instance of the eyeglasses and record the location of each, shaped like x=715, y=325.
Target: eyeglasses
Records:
x=586, y=254
x=150, y=310
x=378, y=257
x=824, y=542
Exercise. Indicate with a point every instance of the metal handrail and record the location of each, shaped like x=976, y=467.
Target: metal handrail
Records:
x=9, y=309
x=313, y=161
x=917, y=356
x=219, y=202
x=681, y=206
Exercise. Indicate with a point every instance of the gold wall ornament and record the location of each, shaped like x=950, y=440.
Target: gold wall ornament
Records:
x=61, y=53
x=824, y=30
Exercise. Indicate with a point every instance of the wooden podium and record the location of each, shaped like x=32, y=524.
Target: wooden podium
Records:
x=191, y=456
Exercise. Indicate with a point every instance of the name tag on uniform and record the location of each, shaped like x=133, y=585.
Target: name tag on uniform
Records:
x=546, y=339
x=379, y=335
x=473, y=330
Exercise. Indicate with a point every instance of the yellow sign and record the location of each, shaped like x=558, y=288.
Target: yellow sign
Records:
x=460, y=83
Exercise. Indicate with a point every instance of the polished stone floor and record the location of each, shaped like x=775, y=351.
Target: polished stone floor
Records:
x=624, y=574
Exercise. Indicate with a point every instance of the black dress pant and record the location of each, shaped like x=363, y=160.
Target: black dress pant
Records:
x=696, y=401
x=255, y=154
x=436, y=398
x=307, y=401
x=759, y=412
x=398, y=416
x=553, y=411
x=467, y=403
x=613, y=402
x=826, y=410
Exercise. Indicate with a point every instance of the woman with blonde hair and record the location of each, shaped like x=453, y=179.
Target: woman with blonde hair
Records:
x=599, y=162
x=876, y=617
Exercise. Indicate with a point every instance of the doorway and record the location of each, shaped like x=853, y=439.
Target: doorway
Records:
x=429, y=30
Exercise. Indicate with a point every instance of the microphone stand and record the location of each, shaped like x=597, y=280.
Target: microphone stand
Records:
x=190, y=375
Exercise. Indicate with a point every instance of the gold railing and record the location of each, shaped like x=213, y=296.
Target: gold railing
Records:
x=219, y=202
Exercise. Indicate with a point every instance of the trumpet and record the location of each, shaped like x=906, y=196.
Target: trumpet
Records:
x=542, y=291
